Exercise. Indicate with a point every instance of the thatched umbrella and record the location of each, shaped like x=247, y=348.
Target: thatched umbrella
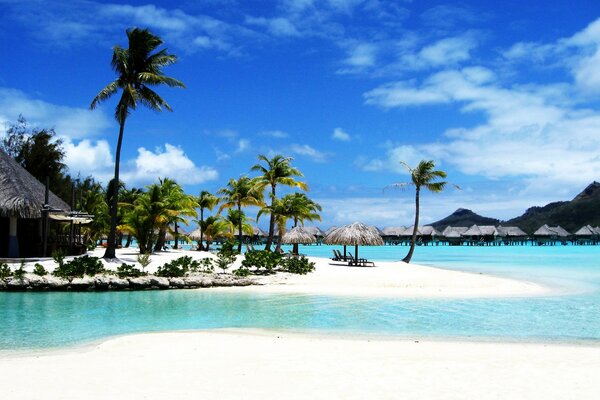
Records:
x=356, y=234
x=296, y=236
x=195, y=234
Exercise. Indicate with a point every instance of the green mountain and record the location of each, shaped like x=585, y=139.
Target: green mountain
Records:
x=584, y=209
x=464, y=217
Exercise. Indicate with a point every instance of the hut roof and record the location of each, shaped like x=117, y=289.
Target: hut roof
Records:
x=587, y=230
x=355, y=234
x=21, y=195
x=393, y=230
x=421, y=231
x=298, y=235
x=483, y=230
x=195, y=234
x=256, y=231
x=328, y=231
x=546, y=230
x=454, y=231
x=510, y=231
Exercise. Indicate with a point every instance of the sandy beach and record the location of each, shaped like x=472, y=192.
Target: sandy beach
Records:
x=253, y=364
x=268, y=365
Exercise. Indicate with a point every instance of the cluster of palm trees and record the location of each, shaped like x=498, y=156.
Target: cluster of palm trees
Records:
x=139, y=67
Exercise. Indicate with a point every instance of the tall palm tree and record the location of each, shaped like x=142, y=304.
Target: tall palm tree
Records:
x=213, y=227
x=280, y=212
x=137, y=68
x=422, y=176
x=237, y=194
x=206, y=201
x=277, y=171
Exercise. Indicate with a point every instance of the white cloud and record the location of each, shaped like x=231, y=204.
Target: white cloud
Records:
x=340, y=134
x=274, y=134
x=169, y=162
x=308, y=151
x=529, y=132
x=70, y=122
x=448, y=51
x=242, y=145
x=361, y=55
x=278, y=26
x=88, y=158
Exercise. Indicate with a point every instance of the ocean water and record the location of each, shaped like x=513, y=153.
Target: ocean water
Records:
x=571, y=314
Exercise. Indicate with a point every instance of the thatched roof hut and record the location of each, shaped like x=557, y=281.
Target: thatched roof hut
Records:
x=480, y=231
x=554, y=231
x=195, y=234
x=298, y=235
x=586, y=231
x=328, y=231
x=421, y=231
x=256, y=231
x=454, y=232
x=21, y=194
x=356, y=234
x=510, y=232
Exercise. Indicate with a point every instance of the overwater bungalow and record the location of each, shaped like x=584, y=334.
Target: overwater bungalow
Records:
x=587, y=235
x=453, y=235
x=425, y=234
x=511, y=235
x=481, y=235
x=316, y=232
x=392, y=234
x=547, y=235
x=31, y=217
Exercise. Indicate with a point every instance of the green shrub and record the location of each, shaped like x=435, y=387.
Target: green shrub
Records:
x=241, y=271
x=129, y=271
x=263, y=260
x=178, y=267
x=224, y=261
x=297, y=265
x=58, y=256
x=227, y=249
x=79, y=266
x=39, y=269
x=143, y=260
x=205, y=266
x=5, y=271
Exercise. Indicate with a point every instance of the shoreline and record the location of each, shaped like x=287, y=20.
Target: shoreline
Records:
x=234, y=363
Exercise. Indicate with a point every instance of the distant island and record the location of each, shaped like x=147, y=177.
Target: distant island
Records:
x=584, y=209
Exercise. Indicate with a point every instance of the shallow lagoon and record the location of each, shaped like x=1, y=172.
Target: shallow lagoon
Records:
x=42, y=320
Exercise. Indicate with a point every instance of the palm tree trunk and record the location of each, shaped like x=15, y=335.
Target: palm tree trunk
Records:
x=176, y=233
x=200, y=245
x=271, y=221
x=295, y=245
x=112, y=233
x=160, y=240
x=240, y=229
x=413, y=239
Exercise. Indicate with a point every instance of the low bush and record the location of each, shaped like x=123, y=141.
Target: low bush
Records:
x=20, y=272
x=5, y=271
x=129, y=271
x=205, y=266
x=58, y=256
x=143, y=260
x=297, y=265
x=263, y=260
x=80, y=266
x=178, y=267
x=39, y=269
x=241, y=271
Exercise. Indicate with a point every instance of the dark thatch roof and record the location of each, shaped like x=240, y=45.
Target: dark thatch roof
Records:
x=355, y=234
x=298, y=235
x=21, y=195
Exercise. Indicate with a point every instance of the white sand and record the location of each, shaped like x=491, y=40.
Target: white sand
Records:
x=242, y=365
x=395, y=279
x=267, y=365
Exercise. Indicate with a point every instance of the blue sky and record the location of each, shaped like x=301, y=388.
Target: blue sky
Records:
x=504, y=97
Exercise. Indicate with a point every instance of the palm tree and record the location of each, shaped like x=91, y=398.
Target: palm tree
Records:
x=280, y=212
x=277, y=171
x=300, y=208
x=137, y=68
x=127, y=198
x=240, y=193
x=206, y=201
x=422, y=176
x=213, y=227
x=177, y=205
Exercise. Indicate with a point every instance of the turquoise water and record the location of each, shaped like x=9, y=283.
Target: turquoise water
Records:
x=43, y=320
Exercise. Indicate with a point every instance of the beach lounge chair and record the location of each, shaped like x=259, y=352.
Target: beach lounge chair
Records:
x=337, y=256
x=360, y=261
